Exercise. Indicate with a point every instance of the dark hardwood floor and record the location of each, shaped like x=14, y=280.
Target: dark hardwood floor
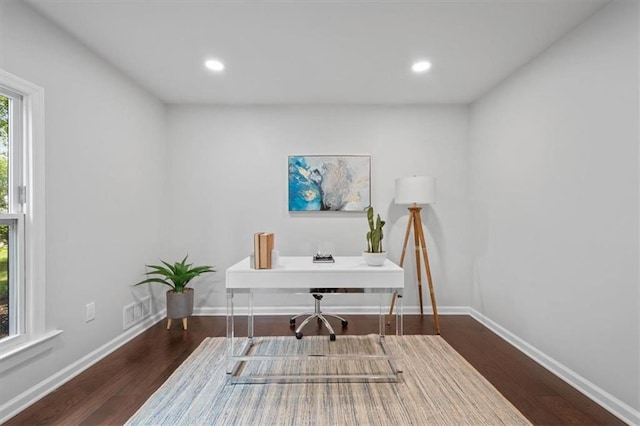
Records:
x=112, y=390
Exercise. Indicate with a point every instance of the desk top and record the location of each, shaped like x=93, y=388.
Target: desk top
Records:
x=301, y=272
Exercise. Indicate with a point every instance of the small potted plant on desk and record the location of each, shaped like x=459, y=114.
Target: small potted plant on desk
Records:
x=176, y=276
x=374, y=255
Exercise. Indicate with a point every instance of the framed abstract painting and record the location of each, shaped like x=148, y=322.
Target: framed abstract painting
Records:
x=329, y=182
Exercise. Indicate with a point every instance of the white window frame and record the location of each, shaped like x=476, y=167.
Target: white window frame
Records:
x=14, y=219
x=16, y=277
x=33, y=337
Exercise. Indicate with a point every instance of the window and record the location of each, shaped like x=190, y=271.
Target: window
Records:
x=11, y=214
x=22, y=237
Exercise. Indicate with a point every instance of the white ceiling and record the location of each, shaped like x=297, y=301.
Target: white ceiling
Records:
x=318, y=51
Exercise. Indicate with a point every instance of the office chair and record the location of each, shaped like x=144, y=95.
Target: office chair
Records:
x=317, y=314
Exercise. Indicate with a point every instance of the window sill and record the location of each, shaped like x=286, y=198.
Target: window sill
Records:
x=26, y=351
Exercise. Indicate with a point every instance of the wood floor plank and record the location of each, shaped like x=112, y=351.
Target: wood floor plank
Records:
x=112, y=390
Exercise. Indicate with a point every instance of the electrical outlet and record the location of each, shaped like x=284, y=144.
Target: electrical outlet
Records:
x=90, y=311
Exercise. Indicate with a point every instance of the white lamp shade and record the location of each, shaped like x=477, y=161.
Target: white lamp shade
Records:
x=415, y=190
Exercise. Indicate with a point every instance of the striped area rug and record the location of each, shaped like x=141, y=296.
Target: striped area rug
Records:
x=438, y=388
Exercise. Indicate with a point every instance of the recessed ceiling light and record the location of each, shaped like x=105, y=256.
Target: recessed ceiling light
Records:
x=214, y=65
x=421, y=66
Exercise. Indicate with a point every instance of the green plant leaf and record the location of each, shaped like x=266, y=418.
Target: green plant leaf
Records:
x=176, y=275
x=154, y=280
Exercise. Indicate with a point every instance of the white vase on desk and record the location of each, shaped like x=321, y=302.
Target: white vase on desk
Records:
x=374, y=259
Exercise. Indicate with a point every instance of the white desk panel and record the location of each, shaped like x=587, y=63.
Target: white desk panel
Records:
x=300, y=272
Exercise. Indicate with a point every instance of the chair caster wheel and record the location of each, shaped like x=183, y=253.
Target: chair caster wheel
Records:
x=332, y=337
x=298, y=335
x=345, y=323
x=292, y=322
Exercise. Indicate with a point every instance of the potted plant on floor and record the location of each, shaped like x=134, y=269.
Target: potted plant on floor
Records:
x=176, y=276
x=374, y=255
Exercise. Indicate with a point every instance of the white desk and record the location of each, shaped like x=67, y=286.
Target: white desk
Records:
x=300, y=275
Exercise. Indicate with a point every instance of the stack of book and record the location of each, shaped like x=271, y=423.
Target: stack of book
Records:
x=263, y=245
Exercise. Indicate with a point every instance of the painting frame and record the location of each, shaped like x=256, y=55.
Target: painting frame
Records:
x=329, y=182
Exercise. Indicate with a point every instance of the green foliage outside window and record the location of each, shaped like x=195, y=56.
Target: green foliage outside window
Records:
x=4, y=278
x=4, y=160
x=4, y=230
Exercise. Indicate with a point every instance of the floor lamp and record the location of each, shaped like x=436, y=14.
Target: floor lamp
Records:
x=413, y=191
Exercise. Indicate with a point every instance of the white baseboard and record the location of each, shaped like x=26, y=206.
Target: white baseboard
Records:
x=610, y=403
x=342, y=310
x=607, y=401
x=39, y=391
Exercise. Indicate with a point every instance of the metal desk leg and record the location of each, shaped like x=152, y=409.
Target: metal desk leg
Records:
x=250, y=319
x=381, y=323
x=230, y=331
x=399, y=315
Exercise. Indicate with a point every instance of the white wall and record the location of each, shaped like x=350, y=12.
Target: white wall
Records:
x=104, y=176
x=554, y=156
x=228, y=179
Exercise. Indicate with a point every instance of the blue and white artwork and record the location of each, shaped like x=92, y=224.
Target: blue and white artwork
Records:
x=329, y=183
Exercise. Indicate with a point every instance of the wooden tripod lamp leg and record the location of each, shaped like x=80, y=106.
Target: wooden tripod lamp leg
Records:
x=425, y=255
x=393, y=305
x=415, y=218
x=404, y=251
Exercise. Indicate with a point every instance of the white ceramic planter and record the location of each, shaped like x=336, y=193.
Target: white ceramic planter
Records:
x=374, y=259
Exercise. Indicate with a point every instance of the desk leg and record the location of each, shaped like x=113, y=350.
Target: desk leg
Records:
x=230, y=331
x=250, y=318
x=399, y=315
x=381, y=324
